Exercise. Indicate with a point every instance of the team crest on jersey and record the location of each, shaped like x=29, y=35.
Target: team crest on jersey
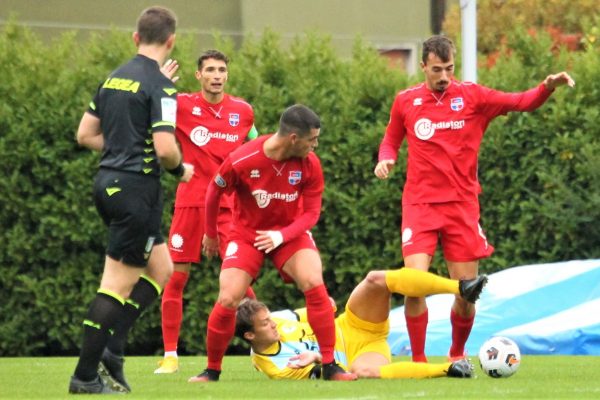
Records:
x=234, y=119
x=294, y=177
x=219, y=181
x=197, y=111
x=418, y=101
x=457, y=104
x=255, y=174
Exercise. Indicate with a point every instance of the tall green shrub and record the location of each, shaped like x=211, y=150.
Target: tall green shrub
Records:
x=540, y=173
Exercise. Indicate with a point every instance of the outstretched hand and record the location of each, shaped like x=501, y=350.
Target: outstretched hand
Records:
x=303, y=359
x=562, y=78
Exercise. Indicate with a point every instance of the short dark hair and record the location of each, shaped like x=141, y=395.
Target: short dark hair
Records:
x=215, y=54
x=439, y=45
x=299, y=119
x=155, y=25
x=244, y=321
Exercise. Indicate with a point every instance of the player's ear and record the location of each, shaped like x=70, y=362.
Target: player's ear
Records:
x=249, y=336
x=136, y=38
x=171, y=41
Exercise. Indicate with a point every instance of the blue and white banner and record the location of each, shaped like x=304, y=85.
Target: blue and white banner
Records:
x=545, y=308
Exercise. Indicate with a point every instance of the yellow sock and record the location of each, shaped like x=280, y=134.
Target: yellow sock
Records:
x=415, y=283
x=413, y=370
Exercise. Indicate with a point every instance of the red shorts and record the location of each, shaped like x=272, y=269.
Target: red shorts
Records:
x=456, y=224
x=242, y=254
x=187, y=230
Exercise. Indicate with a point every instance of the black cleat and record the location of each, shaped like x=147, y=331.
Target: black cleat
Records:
x=208, y=375
x=333, y=372
x=111, y=369
x=460, y=369
x=470, y=289
x=95, y=386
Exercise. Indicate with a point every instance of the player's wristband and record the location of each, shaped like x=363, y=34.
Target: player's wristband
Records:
x=177, y=171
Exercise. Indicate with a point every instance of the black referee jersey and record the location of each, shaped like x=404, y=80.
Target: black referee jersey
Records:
x=135, y=101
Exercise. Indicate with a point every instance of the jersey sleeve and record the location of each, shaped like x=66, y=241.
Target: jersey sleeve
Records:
x=394, y=133
x=312, y=197
x=93, y=105
x=223, y=182
x=495, y=102
x=163, y=108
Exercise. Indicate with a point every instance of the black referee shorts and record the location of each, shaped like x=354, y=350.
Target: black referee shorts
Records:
x=131, y=205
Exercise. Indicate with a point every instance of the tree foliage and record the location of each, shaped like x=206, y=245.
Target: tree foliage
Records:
x=497, y=17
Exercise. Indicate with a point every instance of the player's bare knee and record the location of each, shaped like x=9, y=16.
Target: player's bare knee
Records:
x=229, y=300
x=375, y=279
x=310, y=283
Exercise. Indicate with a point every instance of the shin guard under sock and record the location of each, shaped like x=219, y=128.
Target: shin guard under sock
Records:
x=102, y=315
x=143, y=294
x=172, y=309
x=220, y=331
x=321, y=319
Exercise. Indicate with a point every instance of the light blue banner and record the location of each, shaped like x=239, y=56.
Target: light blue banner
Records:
x=545, y=308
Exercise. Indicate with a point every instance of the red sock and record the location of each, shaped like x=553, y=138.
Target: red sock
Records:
x=321, y=319
x=250, y=293
x=172, y=309
x=220, y=331
x=461, y=329
x=417, y=333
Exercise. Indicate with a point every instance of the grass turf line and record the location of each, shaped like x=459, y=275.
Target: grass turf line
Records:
x=547, y=377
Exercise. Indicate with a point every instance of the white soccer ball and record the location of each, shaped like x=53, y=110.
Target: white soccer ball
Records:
x=499, y=357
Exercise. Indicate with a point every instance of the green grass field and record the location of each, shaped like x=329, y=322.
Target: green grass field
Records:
x=539, y=377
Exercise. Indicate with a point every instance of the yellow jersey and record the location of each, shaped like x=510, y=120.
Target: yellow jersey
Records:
x=296, y=336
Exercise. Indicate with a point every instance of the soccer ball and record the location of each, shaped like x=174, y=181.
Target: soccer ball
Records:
x=499, y=357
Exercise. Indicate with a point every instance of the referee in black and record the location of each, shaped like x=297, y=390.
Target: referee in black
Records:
x=131, y=120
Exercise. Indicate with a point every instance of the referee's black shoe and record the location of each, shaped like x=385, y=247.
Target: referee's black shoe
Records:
x=111, y=369
x=95, y=386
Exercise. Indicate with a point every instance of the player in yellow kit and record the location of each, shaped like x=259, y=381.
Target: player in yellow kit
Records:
x=284, y=347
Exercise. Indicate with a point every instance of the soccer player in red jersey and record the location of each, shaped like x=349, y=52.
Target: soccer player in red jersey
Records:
x=210, y=125
x=443, y=121
x=279, y=183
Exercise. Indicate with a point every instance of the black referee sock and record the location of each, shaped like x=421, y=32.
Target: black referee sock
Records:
x=143, y=294
x=101, y=317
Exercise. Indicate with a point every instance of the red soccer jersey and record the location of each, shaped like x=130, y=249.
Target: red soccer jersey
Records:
x=208, y=133
x=444, y=132
x=270, y=194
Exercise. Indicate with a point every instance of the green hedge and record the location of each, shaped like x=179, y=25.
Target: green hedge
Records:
x=540, y=173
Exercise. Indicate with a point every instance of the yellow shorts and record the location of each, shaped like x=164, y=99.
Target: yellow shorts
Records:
x=361, y=337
